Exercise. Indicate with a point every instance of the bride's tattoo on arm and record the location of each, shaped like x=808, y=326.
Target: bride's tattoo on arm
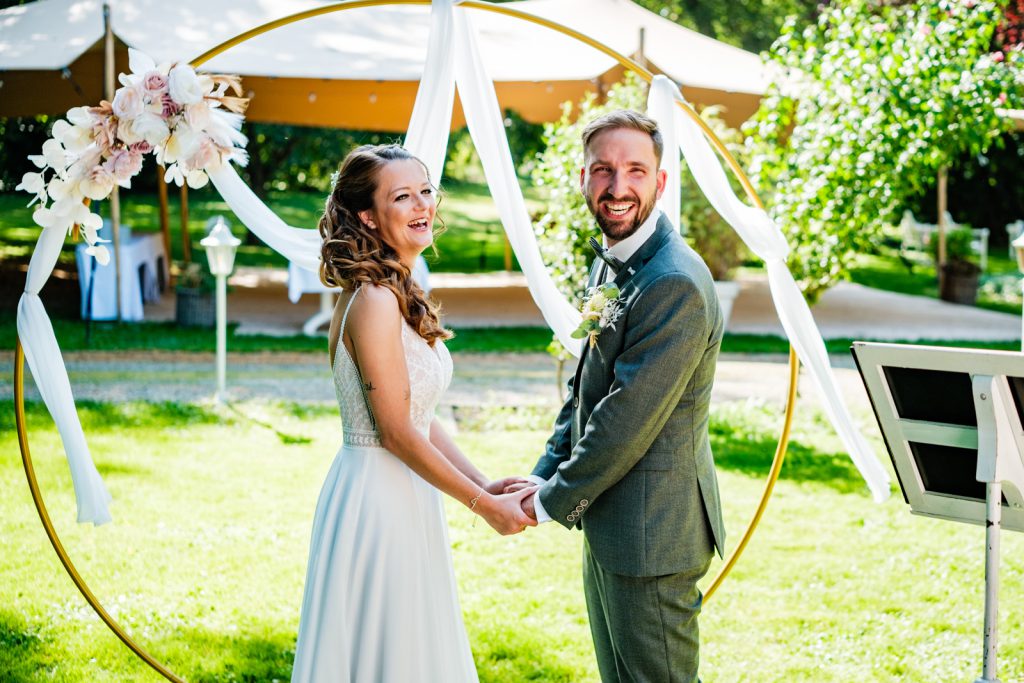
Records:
x=408, y=393
x=369, y=386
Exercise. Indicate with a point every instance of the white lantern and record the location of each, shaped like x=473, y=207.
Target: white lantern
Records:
x=220, y=247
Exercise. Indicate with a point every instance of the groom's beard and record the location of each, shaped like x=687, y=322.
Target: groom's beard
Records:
x=619, y=230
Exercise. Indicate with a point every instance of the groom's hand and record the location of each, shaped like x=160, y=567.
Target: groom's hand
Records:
x=518, y=485
x=528, y=507
x=506, y=485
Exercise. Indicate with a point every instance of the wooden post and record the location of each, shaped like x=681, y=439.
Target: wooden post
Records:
x=508, y=252
x=115, y=198
x=165, y=220
x=941, y=255
x=186, y=240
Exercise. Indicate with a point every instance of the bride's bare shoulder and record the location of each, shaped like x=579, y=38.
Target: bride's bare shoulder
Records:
x=375, y=307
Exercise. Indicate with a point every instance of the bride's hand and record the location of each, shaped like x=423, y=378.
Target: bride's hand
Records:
x=498, y=486
x=504, y=512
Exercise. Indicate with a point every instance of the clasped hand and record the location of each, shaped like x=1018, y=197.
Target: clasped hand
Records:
x=507, y=505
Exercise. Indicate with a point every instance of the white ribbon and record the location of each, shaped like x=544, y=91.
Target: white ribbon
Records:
x=766, y=240
x=51, y=377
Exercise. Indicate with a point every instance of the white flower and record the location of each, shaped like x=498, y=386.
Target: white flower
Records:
x=53, y=156
x=129, y=102
x=148, y=126
x=197, y=178
x=180, y=144
x=90, y=227
x=75, y=138
x=46, y=218
x=198, y=115
x=59, y=188
x=80, y=116
x=100, y=253
x=33, y=183
x=173, y=174
x=97, y=183
x=184, y=86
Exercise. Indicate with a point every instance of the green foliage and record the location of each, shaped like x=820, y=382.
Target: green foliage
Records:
x=566, y=224
x=958, y=246
x=869, y=103
x=750, y=24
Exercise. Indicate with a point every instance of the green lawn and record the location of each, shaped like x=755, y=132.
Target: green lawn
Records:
x=204, y=562
x=885, y=270
x=474, y=240
x=112, y=336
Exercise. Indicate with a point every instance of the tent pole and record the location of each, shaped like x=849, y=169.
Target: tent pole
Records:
x=165, y=221
x=186, y=241
x=115, y=199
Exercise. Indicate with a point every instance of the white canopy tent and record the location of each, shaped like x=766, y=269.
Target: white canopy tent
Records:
x=360, y=68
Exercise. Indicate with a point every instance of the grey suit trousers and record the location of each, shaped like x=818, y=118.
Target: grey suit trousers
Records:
x=644, y=628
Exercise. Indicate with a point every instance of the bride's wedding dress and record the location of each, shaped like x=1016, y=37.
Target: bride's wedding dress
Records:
x=380, y=603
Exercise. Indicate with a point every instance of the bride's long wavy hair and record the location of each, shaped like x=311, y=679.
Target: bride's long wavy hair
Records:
x=353, y=254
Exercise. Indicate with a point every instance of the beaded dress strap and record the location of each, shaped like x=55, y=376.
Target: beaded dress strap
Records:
x=359, y=374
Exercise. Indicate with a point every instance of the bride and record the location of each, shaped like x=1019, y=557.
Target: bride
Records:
x=380, y=602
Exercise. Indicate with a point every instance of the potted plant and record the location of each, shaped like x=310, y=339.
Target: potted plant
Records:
x=958, y=276
x=194, y=290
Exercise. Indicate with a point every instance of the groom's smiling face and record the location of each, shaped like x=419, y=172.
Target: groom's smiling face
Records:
x=621, y=181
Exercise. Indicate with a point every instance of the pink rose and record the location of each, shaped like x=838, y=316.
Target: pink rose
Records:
x=198, y=115
x=142, y=147
x=97, y=183
x=207, y=154
x=998, y=56
x=154, y=84
x=170, y=107
x=104, y=132
x=123, y=164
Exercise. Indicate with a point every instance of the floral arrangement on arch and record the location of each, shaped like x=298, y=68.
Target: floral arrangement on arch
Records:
x=188, y=120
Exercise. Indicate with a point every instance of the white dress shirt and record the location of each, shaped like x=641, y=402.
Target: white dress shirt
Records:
x=623, y=251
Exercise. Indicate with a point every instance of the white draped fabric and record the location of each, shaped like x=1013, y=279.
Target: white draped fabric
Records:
x=765, y=239
x=453, y=58
x=51, y=377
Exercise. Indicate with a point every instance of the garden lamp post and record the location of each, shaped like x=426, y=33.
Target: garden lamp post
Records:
x=220, y=247
x=1018, y=246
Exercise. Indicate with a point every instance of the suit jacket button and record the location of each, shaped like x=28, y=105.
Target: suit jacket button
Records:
x=584, y=502
x=571, y=518
x=575, y=401
x=579, y=508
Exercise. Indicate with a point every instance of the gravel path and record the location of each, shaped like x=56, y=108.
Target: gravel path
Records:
x=480, y=378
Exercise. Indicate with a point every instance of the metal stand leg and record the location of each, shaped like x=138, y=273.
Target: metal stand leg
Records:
x=993, y=501
x=322, y=317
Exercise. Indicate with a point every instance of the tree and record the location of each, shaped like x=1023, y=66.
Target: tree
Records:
x=750, y=24
x=867, y=105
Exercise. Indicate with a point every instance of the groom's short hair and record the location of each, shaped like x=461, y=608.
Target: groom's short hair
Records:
x=625, y=118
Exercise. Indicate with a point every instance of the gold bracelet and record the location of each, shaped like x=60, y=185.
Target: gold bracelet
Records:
x=472, y=505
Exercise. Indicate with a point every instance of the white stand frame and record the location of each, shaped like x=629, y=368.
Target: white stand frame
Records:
x=998, y=438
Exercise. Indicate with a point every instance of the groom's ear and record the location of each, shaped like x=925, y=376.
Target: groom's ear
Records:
x=583, y=180
x=662, y=180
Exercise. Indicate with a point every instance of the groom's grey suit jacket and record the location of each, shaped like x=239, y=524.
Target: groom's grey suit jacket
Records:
x=629, y=460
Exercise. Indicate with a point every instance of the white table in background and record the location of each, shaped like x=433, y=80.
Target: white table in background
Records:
x=302, y=281
x=144, y=275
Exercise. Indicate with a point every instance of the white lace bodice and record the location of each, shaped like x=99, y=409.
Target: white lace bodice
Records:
x=430, y=373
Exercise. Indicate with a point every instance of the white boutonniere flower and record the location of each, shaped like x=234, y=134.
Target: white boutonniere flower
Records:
x=601, y=308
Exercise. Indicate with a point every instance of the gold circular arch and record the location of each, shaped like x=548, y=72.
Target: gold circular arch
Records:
x=647, y=76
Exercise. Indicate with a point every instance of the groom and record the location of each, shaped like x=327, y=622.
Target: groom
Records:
x=629, y=461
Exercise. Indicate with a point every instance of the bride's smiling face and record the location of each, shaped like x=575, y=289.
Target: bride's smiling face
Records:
x=404, y=206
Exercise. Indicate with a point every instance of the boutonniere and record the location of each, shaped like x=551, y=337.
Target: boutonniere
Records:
x=601, y=308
